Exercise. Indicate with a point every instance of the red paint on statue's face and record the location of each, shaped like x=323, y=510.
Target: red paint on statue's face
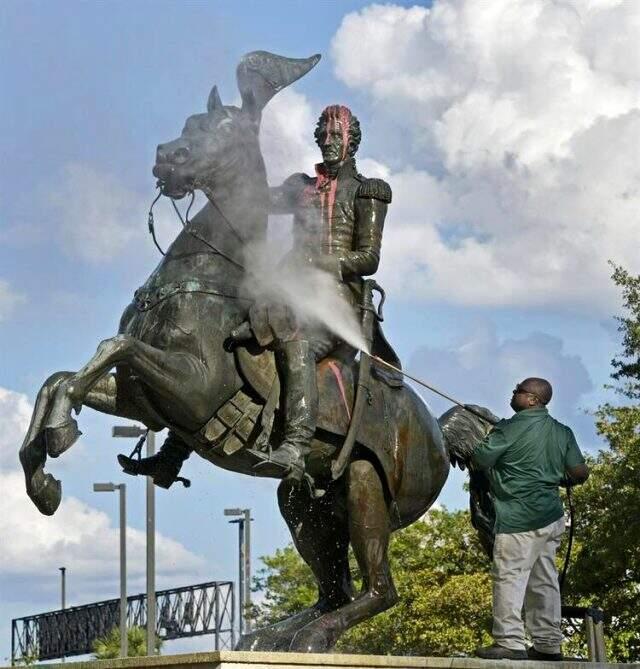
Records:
x=335, y=149
x=335, y=143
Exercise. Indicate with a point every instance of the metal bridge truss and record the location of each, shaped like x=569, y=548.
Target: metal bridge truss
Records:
x=193, y=610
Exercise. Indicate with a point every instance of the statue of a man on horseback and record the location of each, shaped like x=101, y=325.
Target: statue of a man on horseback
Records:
x=338, y=223
x=170, y=364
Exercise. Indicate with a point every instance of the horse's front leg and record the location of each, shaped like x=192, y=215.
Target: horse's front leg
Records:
x=179, y=380
x=43, y=488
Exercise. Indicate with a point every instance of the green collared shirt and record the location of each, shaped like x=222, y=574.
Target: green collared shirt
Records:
x=527, y=456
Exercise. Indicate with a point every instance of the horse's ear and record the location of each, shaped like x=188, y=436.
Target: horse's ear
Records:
x=261, y=75
x=214, y=102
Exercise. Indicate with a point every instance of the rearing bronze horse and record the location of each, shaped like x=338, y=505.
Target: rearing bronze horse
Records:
x=172, y=371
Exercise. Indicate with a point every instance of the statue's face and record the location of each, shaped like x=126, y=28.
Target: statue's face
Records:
x=332, y=143
x=206, y=145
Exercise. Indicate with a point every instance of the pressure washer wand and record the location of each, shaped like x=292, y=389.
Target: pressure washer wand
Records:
x=432, y=389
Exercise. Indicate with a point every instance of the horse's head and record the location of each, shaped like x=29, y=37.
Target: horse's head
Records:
x=223, y=144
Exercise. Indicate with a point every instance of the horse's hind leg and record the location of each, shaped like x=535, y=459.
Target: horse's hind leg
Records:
x=369, y=530
x=320, y=533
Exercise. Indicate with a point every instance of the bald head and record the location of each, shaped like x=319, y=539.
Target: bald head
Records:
x=530, y=393
x=541, y=388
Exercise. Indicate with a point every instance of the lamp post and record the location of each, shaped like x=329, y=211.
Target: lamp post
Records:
x=121, y=487
x=63, y=587
x=244, y=566
x=135, y=432
x=63, y=592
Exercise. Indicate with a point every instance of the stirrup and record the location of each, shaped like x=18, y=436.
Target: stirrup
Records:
x=131, y=465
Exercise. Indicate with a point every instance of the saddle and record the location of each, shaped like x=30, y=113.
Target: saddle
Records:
x=249, y=417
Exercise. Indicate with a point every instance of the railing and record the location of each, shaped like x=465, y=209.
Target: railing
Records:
x=593, y=628
x=193, y=610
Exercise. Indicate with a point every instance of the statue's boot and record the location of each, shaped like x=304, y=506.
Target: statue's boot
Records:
x=297, y=367
x=164, y=466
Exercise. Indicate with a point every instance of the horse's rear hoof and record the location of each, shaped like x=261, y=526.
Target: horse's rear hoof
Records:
x=59, y=439
x=45, y=492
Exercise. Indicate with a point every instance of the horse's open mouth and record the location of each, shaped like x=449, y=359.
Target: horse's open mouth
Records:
x=172, y=190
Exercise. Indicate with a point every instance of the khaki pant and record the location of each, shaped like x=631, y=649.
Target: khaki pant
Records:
x=524, y=572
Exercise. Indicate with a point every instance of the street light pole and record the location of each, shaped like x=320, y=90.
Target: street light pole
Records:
x=63, y=588
x=151, y=552
x=124, y=641
x=134, y=431
x=244, y=566
x=247, y=569
x=122, y=489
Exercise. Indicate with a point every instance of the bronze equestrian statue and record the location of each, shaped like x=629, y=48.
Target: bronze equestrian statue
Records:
x=175, y=367
x=338, y=221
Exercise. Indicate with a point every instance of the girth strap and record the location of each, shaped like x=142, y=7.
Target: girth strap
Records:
x=147, y=298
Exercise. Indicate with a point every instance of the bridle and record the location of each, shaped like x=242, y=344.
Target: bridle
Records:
x=186, y=223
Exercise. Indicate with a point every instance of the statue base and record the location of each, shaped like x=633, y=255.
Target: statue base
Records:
x=263, y=660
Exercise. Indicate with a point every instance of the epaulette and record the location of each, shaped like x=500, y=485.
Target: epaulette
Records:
x=375, y=188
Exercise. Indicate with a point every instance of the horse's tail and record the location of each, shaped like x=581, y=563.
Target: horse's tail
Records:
x=463, y=431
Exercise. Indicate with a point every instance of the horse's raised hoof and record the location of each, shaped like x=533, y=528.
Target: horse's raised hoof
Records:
x=60, y=438
x=45, y=492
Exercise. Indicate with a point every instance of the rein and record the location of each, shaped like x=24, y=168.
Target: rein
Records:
x=185, y=224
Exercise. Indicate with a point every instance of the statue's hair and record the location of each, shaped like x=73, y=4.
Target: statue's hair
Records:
x=355, y=134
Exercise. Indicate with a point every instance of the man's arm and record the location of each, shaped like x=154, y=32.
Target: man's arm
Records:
x=577, y=475
x=576, y=469
x=490, y=449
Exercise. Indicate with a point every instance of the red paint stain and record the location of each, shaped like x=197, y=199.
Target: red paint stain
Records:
x=338, y=376
x=338, y=116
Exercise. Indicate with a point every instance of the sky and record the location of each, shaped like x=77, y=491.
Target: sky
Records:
x=508, y=130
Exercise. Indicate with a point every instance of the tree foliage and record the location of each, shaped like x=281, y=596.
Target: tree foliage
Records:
x=605, y=570
x=108, y=646
x=442, y=578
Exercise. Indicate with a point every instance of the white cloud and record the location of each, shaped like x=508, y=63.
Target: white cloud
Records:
x=286, y=136
x=15, y=413
x=80, y=535
x=526, y=115
x=9, y=299
x=482, y=369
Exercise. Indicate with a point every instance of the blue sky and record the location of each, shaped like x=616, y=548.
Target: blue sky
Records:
x=495, y=247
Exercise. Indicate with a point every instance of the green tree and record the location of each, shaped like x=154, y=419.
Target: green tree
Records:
x=605, y=569
x=108, y=646
x=441, y=575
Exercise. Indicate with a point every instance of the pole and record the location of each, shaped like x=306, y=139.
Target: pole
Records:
x=151, y=553
x=123, y=570
x=241, y=576
x=63, y=593
x=63, y=588
x=247, y=570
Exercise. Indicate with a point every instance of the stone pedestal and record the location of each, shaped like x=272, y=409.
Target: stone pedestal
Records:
x=245, y=660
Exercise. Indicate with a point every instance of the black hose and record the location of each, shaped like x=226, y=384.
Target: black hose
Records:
x=567, y=557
